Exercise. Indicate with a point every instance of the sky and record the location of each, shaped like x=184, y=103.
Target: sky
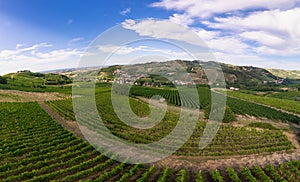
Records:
x=53, y=34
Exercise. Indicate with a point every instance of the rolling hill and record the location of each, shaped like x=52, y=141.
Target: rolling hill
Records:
x=27, y=78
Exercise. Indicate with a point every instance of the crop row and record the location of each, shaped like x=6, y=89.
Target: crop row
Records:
x=64, y=157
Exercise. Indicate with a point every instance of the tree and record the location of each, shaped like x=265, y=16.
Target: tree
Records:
x=3, y=80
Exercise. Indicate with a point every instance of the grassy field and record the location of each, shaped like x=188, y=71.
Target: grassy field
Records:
x=238, y=106
x=288, y=105
x=295, y=96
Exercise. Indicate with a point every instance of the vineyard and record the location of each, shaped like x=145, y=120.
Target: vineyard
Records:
x=237, y=106
x=229, y=140
x=36, y=148
x=288, y=105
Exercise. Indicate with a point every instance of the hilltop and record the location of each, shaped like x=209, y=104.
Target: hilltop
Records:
x=292, y=74
x=27, y=78
x=247, y=77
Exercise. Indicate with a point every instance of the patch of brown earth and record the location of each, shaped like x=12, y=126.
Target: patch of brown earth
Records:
x=21, y=96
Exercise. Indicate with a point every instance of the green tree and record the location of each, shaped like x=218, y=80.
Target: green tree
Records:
x=3, y=80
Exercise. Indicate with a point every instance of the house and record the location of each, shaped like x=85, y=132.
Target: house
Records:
x=234, y=89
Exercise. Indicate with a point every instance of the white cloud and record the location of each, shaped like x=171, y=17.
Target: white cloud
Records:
x=263, y=38
x=76, y=40
x=120, y=50
x=206, y=35
x=163, y=29
x=253, y=28
x=207, y=8
x=127, y=50
x=228, y=45
x=35, y=59
x=275, y=31
x=285, y=22
x=181, y=19
x=5, y=54
x=125, y=11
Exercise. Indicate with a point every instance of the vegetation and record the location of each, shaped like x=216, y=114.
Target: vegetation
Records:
x=295, y=74
x=56, y=154
x=262, y=125
x=229, y=115
x=3, y=80
x=228, y=141
x=35, y=80
x=243, y=107
x=34, y=147
x=288, y=105
x=236, y=105
x=295, y=96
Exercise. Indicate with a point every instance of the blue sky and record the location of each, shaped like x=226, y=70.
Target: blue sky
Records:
x=52, y=34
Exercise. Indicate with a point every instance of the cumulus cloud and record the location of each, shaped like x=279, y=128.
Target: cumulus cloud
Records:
x=37, y=59
x=242, y=29
x=163, y=29
x=275, y=31
x=207, y=8
x=181, y=19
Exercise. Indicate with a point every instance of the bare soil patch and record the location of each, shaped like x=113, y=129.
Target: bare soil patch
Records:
x=21, y=96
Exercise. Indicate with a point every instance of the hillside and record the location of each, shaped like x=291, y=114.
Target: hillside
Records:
x=36, y=80
x=237, y=76
x=292, y=74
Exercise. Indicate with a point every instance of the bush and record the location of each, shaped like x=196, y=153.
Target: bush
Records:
x=229, y=115
x=3, y=80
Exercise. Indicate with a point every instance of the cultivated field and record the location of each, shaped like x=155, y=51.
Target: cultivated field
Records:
x=36, y=147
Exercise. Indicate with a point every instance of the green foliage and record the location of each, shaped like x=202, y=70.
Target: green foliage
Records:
x=286, y=95
x=248, y=175
x=3, y=80
x=261, y=174
x=216, y=176
x=233, y=175
x=229, y=115
x=229, y=140
x=199, y=177
x=181, y=175
x=36, y=148
x=262, y=125
x=146, y=175
x=243, y=107
x=288, y=105
x=165, y=175
x=35, y=80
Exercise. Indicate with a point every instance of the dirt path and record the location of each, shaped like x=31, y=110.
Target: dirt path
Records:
x=204, y=163
x=21, y=96
x=69, y=125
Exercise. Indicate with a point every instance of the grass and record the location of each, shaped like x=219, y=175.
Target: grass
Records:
x=284, y=104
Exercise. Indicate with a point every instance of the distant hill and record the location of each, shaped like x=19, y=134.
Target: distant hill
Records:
x=292, y=74
x=27, y=78
x=244, y=77
x=237, y=76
